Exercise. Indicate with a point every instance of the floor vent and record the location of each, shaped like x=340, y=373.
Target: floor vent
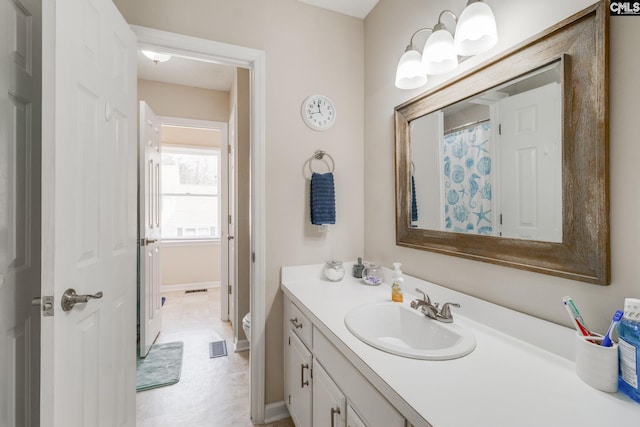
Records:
x=193, y=291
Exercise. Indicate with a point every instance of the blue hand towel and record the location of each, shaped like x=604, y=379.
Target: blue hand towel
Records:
x=414, y=203
x=323, y=199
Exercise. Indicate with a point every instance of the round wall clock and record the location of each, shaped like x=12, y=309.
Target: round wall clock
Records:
x=318, y=112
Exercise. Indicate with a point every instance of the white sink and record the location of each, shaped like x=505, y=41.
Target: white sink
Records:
x=398, y=329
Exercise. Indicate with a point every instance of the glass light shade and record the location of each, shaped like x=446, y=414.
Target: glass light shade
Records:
x=156, y=57
x=476, y=31
x=439, y=56
x=410, y=73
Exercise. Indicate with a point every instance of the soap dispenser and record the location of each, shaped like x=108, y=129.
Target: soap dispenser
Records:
x=397, y=282
x=356, y=270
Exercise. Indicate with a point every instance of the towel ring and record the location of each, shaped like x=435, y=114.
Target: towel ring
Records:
x=319, y=155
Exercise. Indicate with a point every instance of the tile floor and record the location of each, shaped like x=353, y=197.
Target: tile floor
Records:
x=211, y=392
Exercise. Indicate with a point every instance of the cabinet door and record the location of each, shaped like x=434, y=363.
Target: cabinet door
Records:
x=329, y=404
x=298, y=362
x=353, y=420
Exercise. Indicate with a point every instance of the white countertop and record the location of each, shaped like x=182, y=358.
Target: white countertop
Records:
x=520, y=374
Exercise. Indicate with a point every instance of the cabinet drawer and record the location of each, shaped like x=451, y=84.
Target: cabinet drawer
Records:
x=298, y=322
x=374, y=410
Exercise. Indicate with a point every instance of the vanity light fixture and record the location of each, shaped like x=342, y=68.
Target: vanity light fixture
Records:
x=156, y=57
x=475, y=33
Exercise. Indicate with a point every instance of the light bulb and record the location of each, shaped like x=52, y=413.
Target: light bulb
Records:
x=439, y=56
x=476, y=31
x=410, y=73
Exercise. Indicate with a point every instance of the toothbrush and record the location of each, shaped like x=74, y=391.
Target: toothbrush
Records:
x=606, y=341
x=569, y=303
x=578, y=323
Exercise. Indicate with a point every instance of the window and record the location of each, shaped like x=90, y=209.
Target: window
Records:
x=190, y=193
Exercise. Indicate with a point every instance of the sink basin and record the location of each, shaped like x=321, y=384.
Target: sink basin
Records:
x=403, y=331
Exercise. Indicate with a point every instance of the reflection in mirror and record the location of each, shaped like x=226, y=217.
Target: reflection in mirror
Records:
x=492, y=164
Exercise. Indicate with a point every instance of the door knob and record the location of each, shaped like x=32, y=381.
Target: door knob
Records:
x=70, y=298
x=229, y=237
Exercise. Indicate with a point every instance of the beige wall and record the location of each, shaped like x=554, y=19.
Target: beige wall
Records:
x=308, y=51
x=171, y=100
x=387, y=31
x=183, y=264
x=240, y=98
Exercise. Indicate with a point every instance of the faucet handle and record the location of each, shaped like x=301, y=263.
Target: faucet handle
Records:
x=425, y=297
x=445, y=311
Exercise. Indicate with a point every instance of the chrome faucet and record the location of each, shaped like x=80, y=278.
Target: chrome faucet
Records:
x=431, y=310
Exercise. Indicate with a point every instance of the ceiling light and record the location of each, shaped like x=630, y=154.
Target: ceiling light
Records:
x=156, y=57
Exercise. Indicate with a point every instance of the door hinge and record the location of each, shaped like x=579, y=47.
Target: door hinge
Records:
x=311, y=372
x=289, y=340
x=500, y=219
x=289, y=399
x=253, y=257
x=500, y=129
x=230, y=219
x=229, y=288
x=229, y=148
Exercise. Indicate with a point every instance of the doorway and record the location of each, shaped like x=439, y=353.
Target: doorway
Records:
x=252, y=62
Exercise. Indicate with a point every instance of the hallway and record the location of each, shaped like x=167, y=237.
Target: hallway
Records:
x=211, y=392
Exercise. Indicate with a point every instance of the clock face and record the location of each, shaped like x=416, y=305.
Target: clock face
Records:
x=318, y=112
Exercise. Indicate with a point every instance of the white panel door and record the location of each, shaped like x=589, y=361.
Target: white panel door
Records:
x=228, y=225
x=89, y=214
x=531, y=164
x=329, y=403
x=20, y=78
x=150, y=299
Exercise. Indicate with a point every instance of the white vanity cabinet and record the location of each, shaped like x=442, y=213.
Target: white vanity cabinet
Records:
x=298, y=362
x=334, y=393
x=329, y=404
x=353, y=420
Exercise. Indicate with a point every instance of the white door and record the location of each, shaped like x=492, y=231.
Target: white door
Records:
x=531, y=164
x=228, y=223
x=20, y=77
x=149, y=298
x=329, y=404
x=89, y=214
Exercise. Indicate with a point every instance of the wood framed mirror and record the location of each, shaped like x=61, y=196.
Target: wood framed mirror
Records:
x=557, y=226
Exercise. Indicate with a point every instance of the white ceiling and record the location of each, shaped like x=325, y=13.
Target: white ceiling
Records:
x=358, y=8
x=187, y=72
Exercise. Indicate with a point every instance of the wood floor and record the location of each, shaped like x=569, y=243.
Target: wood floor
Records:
x=211, y=392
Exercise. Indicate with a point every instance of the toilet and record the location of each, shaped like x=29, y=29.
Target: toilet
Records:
x=246, y=325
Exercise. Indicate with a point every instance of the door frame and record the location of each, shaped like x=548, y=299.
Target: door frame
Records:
x=254, y=60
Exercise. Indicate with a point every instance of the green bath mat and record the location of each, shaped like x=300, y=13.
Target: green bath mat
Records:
x=161, y=367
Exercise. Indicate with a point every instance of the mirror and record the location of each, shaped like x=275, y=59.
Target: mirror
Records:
x=491, y=164
x=508, y=162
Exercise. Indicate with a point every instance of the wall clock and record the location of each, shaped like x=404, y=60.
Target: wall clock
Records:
x=318, y=112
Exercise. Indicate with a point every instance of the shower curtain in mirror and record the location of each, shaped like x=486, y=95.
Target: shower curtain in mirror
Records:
x=467, y=161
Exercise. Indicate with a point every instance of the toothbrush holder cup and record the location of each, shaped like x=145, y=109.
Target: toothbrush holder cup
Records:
x=597, y=365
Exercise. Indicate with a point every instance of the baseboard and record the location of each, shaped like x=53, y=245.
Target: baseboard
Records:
x=240, y=345
x=189, y=286
x=275, y=411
